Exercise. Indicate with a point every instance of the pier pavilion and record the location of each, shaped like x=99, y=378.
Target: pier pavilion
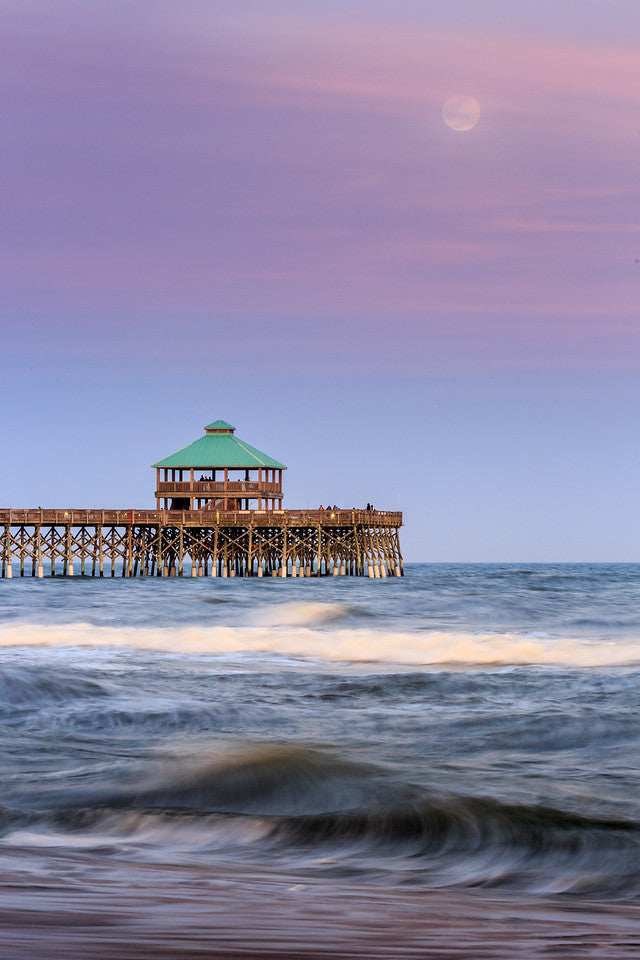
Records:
x=219, y=472
x=218, y=514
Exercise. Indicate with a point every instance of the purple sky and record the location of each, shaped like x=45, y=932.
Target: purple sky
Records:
x=255, y=211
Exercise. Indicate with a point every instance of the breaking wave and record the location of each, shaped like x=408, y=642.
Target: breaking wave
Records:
x=322, y=813
x=302, y=614
x=335, y=644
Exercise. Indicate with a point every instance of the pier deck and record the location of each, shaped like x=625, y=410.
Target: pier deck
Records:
x=96, y=542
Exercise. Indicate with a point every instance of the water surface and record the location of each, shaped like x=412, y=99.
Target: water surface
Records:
x=337, y=755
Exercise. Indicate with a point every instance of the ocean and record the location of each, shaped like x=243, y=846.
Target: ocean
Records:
x=440, y=765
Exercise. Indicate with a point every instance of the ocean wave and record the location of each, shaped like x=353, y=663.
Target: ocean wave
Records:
x=265, y=779
x=316, y=810
x=301, y=614
x=39, y=686
x=426, y=649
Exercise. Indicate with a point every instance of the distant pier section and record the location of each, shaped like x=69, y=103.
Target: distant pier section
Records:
x=218, y=513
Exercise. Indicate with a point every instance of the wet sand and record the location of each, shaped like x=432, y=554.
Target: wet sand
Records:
x=160, y=914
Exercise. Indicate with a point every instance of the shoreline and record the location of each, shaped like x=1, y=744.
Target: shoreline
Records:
x=160, y=912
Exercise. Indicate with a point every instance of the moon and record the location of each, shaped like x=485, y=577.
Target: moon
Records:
x=461, y=112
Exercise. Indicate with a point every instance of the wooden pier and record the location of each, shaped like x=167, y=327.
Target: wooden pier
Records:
x=218, y=514
x=169, y=543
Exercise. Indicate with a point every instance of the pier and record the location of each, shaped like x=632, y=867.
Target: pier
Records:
x=249, y=543
x=218, y=514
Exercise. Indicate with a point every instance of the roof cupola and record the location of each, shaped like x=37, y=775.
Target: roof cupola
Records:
x=219, y=426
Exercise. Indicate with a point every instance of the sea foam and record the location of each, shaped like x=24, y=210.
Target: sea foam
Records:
x=357, y=646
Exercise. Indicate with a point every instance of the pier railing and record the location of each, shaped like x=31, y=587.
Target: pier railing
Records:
x=217, y=487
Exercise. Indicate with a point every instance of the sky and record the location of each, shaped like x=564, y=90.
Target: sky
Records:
x=255, y=211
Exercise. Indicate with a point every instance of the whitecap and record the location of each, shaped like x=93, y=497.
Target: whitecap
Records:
x=427, y=649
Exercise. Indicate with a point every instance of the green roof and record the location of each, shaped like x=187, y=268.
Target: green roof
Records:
x=220, y=448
